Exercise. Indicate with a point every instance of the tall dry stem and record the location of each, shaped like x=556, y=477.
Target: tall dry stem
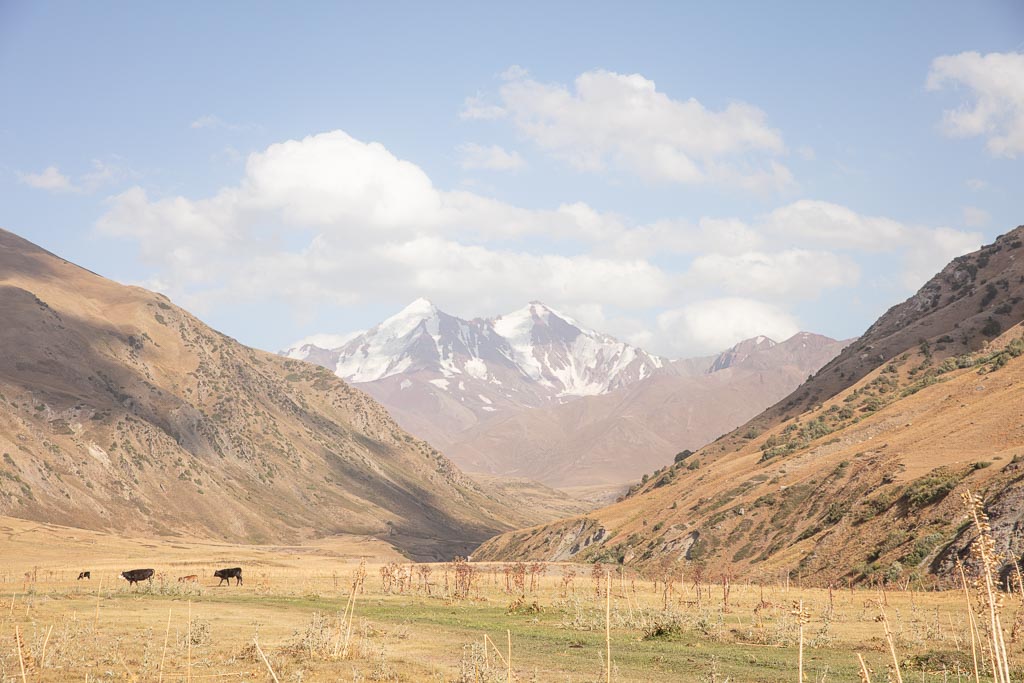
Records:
x=21, y=659
x=42, y=657
x=608, y=627
x=163, y=653
x=348, y=629
x=802, y=618
x=344, y=621
x=188, y=638
x=130, y=675
x=265, y=660
x=983, y=550
x=865, y=677
x=971, y=624
x=892, y=647
x=497, y=651
x=96, y=620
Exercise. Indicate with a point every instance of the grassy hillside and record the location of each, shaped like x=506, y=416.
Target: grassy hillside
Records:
x=858, y=473
x=121, y=411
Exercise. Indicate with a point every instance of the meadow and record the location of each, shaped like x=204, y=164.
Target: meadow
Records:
x=297, y=618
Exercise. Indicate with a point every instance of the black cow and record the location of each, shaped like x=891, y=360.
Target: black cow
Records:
x=228, y=574
x=83, y=575
x=133, y=576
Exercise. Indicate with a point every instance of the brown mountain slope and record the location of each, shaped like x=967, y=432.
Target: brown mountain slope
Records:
x=614, y=438
x=958, y=311
x=120, y=411
x=864, y=483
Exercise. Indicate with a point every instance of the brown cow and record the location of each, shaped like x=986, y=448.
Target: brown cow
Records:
x=191, y=578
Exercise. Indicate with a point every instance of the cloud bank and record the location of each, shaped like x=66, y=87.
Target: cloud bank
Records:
x=330, y=220
x=623, y=123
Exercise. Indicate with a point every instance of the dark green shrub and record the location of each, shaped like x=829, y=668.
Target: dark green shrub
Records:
x=990, y=294
x=991, y=328
x=932, y=488
x=683, y=455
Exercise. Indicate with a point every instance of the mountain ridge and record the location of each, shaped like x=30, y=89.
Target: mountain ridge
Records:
x=121, y=411
x=533, y=394
x=522, y=341
x=614, y=438
x=856, y=475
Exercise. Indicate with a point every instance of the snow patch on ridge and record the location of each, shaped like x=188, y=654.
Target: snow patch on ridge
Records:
x=475, y=368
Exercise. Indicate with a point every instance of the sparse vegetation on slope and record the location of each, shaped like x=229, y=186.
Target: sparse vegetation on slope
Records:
x=853, y=484
x=119, y=410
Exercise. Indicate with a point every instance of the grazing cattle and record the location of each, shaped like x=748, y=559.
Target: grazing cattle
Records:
x=133, y=576
x=191, y=578
x=83, y=575
x=228, y=574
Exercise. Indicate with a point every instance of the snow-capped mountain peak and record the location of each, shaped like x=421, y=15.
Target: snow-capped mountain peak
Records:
x=740, y=352
x=442, y=376
x=420, y=309
x=534, y=352
x=409, y=318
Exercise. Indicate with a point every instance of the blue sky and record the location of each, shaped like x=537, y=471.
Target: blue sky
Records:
x=677, y=175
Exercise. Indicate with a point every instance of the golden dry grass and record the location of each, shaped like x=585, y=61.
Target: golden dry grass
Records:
x=293, y=601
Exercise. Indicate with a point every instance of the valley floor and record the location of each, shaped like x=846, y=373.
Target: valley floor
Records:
x=294, y=599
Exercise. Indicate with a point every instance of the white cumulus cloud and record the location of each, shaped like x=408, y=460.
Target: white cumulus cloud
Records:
x=207, y=121
x=623, y=122
x=49, y=178
x=996, y=83
x=333, y=179
x=711, y=325
x=374, y=226
x=833, y=225
x=103, y=173
x=924, y=249
x=789, y=275
x=476, y=108
x=491, y=157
